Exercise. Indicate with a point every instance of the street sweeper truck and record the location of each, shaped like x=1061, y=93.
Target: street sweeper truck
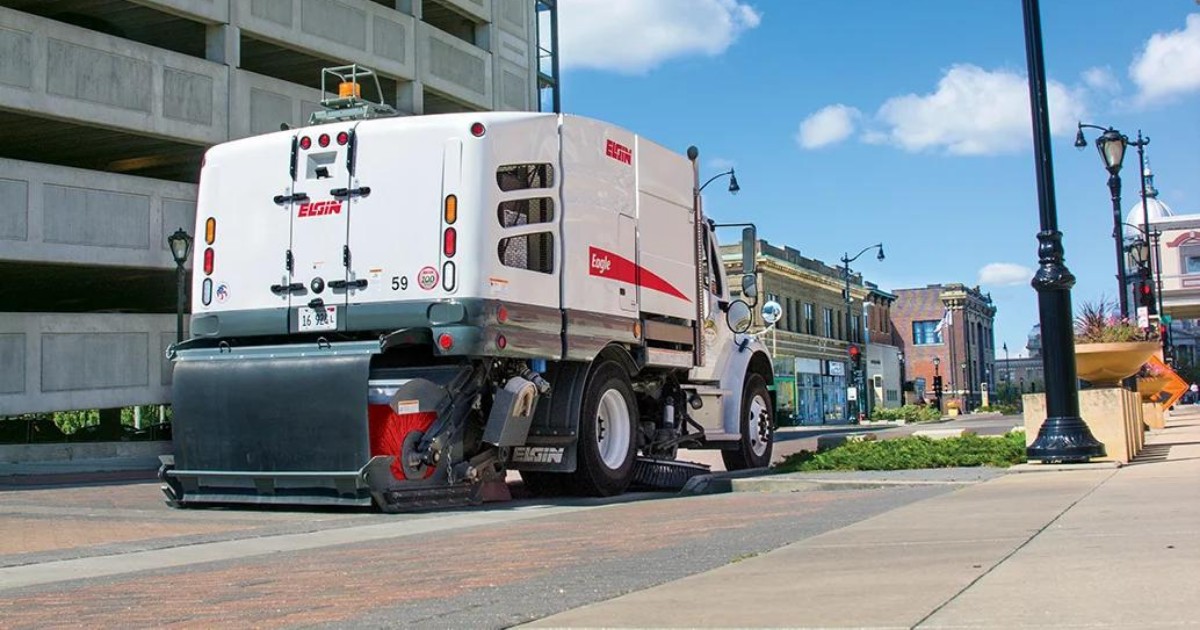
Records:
x=399, y=310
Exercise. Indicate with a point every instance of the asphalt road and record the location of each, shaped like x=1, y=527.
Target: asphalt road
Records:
x=110, y=555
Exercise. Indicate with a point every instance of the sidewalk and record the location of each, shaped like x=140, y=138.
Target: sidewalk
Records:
x=1086, y=548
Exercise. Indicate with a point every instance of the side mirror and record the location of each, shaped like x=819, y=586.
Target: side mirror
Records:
x=750, y=286
x=739, y=316
x=749, y=240
x=772, y=312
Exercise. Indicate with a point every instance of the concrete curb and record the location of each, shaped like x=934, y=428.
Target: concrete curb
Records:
x=1044, y=468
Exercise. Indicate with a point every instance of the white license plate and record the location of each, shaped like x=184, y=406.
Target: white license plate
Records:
x=318, y=319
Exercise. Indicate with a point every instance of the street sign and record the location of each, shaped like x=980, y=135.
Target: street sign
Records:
x=1143, y=317
x=851, y=394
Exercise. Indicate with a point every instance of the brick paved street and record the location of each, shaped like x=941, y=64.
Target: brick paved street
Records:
x=115, y=556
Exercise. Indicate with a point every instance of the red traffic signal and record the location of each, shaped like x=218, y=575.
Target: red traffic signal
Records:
x=855, y=353
x=1145, y=294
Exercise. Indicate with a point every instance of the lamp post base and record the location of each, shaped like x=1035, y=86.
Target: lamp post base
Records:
x=1064, y=441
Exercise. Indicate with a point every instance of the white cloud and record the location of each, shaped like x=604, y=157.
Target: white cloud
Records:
x=1169, y=64
x=721, y=164
x=974, y=112
x=1004, y=274
x=1101, y=79
x=829, y=125
x=633, y=36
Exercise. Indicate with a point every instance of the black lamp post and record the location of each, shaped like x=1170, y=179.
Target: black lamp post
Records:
x=181, y=245
x=1063, y=437
x=1007, y=369
x=1111, y=145
x=846, y=260
x=733, y=183
x=937, y=376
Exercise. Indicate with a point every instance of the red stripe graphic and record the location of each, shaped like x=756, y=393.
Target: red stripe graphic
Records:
x=606, y=264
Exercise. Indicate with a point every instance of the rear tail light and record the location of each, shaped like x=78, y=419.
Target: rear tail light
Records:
x=478, y=130
x=305, y=142
x=501, y=342
x=502, y=314
x=451, y=213
x=448, y=276
x=208, y=261
x=450, y=242
x=445, y=341
x=323, y=140
x=210, y=230
x=343, y=137
x=206, y=291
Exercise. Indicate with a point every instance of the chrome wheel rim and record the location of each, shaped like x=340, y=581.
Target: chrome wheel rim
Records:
x=612, y=429
x=759, y=425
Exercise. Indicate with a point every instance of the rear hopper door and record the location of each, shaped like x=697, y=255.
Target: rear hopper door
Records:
x=396, y=221
x=320, y=253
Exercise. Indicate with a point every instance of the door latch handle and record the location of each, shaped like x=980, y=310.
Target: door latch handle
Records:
x=361, y=191
x=361, y=283
x=282, y=199
x=287, y=288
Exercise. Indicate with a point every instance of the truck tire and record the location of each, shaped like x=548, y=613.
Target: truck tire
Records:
x=757, y=428
x=607, y=438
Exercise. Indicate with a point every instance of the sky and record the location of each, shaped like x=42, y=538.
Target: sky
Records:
x=852, y=122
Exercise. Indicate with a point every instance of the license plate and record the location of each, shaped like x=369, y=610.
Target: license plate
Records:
x=318, y=319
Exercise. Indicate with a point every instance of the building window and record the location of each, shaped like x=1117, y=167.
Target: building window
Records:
x=925, y=333
x=534, y=252
x=854, y=334
x=525, y=176
x=810, y=319
x=787, y=319
x=839, y=325
x=828, y=314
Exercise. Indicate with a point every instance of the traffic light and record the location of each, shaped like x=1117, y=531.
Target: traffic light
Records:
x=855, y=356
x=1145, y=293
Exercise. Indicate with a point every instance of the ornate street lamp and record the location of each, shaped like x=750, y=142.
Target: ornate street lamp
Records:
x=846, y=260
x=733, y=182
x=937, y=376
x=1063, y=437
x=180, y=243
x=1111, y=145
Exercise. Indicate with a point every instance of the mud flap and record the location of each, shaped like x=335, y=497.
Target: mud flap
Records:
x=264, y=428
x=550, y=445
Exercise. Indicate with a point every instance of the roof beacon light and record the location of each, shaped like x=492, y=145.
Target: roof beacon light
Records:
x=349, y=89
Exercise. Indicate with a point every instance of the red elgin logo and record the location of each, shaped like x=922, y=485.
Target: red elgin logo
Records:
x=619, y=152
x=316, y=209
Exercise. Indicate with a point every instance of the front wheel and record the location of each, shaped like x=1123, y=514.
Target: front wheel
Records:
x=607, y=442
x=757, y=428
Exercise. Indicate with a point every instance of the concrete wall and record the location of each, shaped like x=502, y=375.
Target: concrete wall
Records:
x=356, y=31
x=884, y=360
x=84, y=76
x=260, y=104
x=454, y=67
x=71, y=215
x=52, y=362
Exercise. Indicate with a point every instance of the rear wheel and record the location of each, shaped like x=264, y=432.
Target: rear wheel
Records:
x=606, y=445
x=757, y=427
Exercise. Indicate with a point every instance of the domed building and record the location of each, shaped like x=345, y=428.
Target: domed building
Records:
x=1157, y=209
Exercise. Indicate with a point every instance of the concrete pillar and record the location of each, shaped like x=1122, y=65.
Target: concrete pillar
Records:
x=223, y=44
x=411, y=7
x=410, y=97
x=110, y=423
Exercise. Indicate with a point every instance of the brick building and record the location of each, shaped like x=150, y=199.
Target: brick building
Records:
x=883, y=357
x=953, y=323
x=811, y=341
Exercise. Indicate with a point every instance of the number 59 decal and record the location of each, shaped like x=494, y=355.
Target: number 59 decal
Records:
x=399, y=283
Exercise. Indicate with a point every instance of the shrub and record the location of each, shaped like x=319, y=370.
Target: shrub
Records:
x=908, y=413
x=912, y=453
x=1002, y=408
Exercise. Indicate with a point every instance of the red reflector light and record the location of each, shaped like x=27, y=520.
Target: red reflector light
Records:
x=323, y=140
x=208, y=261
x=343, y=138
x=502, y=314
x=501, y=342
x=478, y=130
x=450, y=242
x=445, y=341
x=305, y=142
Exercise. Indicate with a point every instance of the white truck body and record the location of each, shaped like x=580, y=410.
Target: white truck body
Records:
x=569, y=240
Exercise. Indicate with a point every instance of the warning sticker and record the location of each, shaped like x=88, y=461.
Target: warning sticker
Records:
x=408, y=406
